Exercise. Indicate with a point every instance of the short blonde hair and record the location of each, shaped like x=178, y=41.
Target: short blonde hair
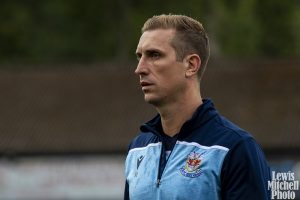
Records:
x=190, y=36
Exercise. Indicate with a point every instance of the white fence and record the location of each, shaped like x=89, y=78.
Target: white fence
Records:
x=62, y=178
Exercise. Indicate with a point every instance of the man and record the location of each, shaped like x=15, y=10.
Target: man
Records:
x=188, y=151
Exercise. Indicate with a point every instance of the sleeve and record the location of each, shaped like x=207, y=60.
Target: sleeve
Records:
x=245, y=173
x=126, y=192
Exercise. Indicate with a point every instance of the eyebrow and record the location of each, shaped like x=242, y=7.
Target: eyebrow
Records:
x=149, y=50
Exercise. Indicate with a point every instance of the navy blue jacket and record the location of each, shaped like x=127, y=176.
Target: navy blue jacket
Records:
x=211, y=159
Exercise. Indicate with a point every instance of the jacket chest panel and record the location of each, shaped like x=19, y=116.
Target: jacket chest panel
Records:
x=192, y=170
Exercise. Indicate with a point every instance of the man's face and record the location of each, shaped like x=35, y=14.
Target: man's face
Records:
x=162, y=77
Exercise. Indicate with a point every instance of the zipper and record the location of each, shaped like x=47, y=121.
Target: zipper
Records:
x=157, y=182
x=163, y=161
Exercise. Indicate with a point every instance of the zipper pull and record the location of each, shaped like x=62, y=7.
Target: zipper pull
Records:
x=157, y=182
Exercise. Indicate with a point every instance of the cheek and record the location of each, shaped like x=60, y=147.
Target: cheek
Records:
x=173, y=80
x=170, y=67
x=176, y=73
x=168, y=72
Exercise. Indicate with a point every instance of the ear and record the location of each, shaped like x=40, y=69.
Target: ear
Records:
x=192, y=63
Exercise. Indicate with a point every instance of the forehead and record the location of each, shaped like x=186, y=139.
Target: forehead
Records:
x=158, y=39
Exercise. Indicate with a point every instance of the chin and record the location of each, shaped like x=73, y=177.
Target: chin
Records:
x=151, y=99
x=155, y=101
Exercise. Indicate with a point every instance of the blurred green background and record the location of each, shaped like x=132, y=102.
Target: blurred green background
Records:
x=65, y=31
x=70, y=102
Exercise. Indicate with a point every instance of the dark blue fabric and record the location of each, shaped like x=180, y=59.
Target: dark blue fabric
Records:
x=245, y=172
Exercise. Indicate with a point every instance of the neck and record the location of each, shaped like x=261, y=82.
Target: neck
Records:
x=174, y=115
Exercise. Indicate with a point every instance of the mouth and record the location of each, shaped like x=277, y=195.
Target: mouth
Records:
x=145, y=84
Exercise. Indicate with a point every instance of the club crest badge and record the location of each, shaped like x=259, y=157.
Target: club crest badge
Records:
x=192, y=166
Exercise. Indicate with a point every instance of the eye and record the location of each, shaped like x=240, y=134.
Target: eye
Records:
x=154, y=54
x=138, y=56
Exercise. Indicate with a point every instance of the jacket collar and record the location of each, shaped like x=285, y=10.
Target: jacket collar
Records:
x=203, y=113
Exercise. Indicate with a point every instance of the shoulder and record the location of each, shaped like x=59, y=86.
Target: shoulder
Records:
x=221, y=131
x=245, y=171
x=244, y=151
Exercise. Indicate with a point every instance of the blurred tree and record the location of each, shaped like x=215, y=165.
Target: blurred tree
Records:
x=237, y=30
x=276, y=19
x=295, y=26
x=75, y=31
x=13, y=28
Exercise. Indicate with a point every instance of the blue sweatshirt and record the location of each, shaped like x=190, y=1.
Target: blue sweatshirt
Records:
x=209, y=159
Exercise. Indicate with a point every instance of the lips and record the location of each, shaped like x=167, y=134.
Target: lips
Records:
x=145, y=84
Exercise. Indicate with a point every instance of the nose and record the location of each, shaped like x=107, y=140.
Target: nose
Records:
x=141, y=68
